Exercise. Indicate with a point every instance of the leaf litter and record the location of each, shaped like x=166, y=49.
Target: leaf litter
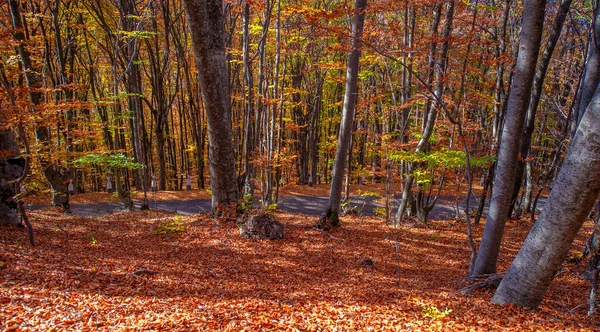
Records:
x=85, y=275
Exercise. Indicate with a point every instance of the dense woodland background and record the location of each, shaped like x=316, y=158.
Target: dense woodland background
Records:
x=420, y=98
x=119, y=77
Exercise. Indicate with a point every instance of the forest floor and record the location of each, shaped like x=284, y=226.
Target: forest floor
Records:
x=92, y=273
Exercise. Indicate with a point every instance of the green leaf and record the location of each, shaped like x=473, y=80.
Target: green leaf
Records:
x=107, y=161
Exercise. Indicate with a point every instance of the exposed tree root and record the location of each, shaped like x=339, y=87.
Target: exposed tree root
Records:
x=490, y=281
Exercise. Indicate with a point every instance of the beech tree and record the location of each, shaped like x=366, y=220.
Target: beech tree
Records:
x=518, y=101
x=331, y=215
x=572, y=197
x=591, y=73
x=534, y=100
x=205, y=18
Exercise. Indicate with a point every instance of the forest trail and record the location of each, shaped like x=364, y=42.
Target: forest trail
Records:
x=310, y=205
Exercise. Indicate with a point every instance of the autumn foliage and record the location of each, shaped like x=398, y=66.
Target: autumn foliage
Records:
x=89, y=273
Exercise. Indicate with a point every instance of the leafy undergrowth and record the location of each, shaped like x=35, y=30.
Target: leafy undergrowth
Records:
x=81, y=276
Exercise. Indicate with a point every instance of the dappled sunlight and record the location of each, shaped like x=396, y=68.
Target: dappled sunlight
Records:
x=82, y=275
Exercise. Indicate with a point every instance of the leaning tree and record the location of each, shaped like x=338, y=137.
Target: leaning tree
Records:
x=573, y=195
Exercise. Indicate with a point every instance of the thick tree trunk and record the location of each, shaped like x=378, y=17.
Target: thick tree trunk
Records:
x=205, y=18
x=536, y=94
x=11, y=169
x=518, y=100
x=573, y=195
x=331, y=214
x=123, y=193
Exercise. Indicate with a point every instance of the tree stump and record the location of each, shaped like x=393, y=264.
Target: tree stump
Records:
x=260, y=226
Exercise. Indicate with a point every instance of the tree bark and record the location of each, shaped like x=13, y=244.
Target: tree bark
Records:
x=536, y=94
x=205, y=18
x=348, y=113
x=134, y=91
x=11, y=169
x=518, y=100
x=573, y=195
x=591, y=73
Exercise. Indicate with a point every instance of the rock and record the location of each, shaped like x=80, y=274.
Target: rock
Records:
x=260, y=226
x=366, y=262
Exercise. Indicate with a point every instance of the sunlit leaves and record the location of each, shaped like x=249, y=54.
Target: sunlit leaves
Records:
x=210, y=279
x=107, y=161
x=443, y=157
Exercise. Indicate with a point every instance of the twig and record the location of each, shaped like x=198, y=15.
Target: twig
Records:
x=62, y=229
x=575, y=307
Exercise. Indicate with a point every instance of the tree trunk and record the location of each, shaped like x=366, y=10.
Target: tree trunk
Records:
x=591, y=73
x=330, y=216
x=269, y=198
x=536, y=94
x=249, y=120
x=486, y=187
x=430, y=111
x=518, y=100
x=573, y=195
x=499, y=90
x=205, y=18
x=11, y=169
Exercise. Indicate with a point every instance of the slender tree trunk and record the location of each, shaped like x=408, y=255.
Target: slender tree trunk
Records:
x=573, y=195
x=314, y=130
x=249, y=120
x=518, y=100
x=407, y=189
x=486, y=187
x=205, y=18
x=499, y=91
x=591, y=74
x=269, y=197
x=431, y=110
x=330, y=217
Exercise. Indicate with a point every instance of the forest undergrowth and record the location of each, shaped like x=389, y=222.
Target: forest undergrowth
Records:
x=162, y=271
